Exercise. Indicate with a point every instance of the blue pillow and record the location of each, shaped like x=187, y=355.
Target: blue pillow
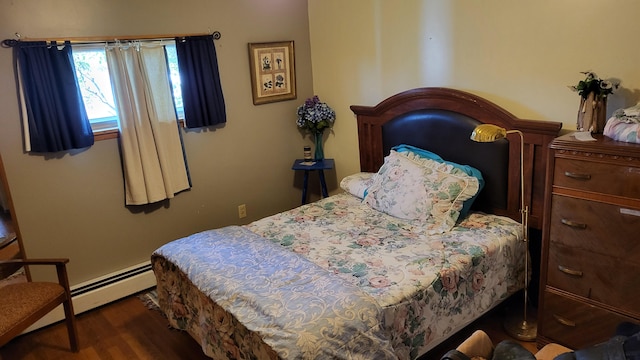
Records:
x=469, y=170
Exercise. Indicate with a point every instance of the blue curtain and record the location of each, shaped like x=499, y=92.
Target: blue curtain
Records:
x=200, y=81
x=56, y=114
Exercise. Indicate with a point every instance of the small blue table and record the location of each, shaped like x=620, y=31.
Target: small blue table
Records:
x=320, y=166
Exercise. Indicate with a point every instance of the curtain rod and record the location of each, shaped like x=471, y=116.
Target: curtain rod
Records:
x=100, y=39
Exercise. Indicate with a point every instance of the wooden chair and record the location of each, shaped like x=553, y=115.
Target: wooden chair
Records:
x=24, y=303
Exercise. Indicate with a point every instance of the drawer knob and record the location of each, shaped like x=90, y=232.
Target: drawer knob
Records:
x=577, y=176
x=573, y=224
x=564, y=321
x=571, y=272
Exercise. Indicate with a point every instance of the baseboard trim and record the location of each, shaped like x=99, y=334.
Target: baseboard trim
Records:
x=103, y=290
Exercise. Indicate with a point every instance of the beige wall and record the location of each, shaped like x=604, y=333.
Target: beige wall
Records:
x=520, y=54
x=72, y=204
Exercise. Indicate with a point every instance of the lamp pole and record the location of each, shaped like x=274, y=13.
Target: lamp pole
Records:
x=523, y=329
x=520, y=328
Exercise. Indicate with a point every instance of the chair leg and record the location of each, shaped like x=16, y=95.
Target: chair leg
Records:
x=70, y=320
x=69, y=315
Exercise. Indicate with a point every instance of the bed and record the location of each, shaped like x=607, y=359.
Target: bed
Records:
x=417, y=245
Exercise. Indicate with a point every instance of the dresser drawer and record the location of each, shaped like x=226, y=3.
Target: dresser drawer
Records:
x=597, y=177
x=601, y=228
x=604, y=279
x=575, y=324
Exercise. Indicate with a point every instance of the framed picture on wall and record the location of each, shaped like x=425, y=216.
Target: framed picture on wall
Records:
x=273, y=74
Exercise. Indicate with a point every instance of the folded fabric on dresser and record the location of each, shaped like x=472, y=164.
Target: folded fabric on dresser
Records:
x=624, y=125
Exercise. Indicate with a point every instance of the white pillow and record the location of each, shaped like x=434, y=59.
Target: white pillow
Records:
x=421, y=189
x=356, y=184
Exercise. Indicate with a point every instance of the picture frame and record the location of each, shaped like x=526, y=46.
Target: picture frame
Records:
x=273, y=75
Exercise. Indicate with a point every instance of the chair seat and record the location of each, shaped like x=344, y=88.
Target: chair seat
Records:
x=22, y=300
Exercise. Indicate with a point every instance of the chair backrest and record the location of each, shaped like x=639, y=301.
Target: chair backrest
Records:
x=24, y=303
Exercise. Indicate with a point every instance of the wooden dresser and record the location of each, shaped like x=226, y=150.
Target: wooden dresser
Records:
x=590, y=263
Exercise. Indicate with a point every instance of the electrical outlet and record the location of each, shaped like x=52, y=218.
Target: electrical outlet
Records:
x=242, y=211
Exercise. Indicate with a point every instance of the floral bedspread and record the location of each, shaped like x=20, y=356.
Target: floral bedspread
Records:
x=426, y=286
x=296, y=307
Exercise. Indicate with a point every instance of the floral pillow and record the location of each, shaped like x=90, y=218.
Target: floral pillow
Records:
x=421, y=189
x=356, y=184
x=412, y=151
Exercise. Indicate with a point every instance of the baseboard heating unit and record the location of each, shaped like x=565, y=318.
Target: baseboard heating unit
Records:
x=103, y=290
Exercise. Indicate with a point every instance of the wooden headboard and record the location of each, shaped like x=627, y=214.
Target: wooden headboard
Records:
x=441, y=120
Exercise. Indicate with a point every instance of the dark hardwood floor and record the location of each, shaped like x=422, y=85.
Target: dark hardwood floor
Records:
x=124, y=329
x=127, y=329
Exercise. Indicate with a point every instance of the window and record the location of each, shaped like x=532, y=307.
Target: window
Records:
x=93, y=78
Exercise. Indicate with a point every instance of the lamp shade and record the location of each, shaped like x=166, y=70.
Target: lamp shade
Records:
x=488, y=133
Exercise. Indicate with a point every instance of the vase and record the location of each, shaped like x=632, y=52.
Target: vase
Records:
x=592, y=114
x=319, y=152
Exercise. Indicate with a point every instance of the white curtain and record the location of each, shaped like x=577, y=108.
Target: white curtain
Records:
x=152, y=155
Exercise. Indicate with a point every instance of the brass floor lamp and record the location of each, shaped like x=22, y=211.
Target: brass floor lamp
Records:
x=518, y=327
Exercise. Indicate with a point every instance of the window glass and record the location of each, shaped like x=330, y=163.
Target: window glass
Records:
x=95, y=86
x=174, y=73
